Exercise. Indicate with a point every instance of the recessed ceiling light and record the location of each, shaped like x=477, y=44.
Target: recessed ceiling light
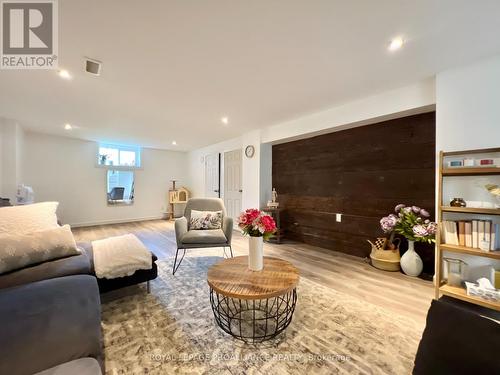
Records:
x=225, y=120
x=396, y=44
x=68, y=127
x=64, y=74
x=174, y=143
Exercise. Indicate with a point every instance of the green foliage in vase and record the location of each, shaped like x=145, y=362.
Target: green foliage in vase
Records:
x=411, y=222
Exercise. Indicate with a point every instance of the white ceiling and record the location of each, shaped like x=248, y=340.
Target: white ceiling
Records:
x=172, y=69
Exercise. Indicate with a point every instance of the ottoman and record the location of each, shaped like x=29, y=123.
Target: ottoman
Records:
x=140, y=276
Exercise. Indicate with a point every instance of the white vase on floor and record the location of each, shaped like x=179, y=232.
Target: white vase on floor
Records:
x=255, y=253
x=411, y=263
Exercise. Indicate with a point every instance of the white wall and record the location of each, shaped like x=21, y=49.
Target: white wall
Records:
x=250, y=168
x=251, y=172
x=266, y=175
x=407, y=100
x=11, y=151
x=257, y=171
x=64, y=169
x=468, y=110
x=468, y=117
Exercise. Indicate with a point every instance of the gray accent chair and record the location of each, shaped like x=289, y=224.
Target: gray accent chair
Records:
x=116, y=194
x=197, y=239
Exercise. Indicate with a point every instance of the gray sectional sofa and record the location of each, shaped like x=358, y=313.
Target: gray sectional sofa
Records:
x=50, y=308
x=52, y=315
x=51, y=325
x=51, y=319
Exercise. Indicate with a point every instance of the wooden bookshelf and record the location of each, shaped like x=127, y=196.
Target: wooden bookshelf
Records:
x=471, y=210
x=471, y=251
x=471, y=171
x=461, y=293
x=470, y=152
x=440, y=287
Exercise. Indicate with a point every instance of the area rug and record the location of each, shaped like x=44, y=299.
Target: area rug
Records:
x=172, y=331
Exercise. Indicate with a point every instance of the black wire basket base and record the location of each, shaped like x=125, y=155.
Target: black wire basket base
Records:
x=253, y=321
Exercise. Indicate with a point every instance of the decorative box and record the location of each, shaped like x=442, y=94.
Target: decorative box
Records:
x=477, y=291
x=468, y=162
x=486, y=162
x=456, y=163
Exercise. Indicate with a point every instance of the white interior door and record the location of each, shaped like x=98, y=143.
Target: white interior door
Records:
x=212, y=180
x=232, y=183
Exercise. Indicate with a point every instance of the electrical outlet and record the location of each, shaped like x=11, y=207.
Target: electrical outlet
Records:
x=338, y=218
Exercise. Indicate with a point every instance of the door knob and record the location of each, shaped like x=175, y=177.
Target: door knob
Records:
x=216, y=190
x=241, y=191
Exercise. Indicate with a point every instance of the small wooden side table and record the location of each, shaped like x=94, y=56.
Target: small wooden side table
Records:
x=253, y=306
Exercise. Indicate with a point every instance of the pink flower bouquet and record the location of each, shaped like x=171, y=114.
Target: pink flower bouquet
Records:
x=256, y=223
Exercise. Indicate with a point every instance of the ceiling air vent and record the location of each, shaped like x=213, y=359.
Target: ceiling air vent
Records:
x=93, y=66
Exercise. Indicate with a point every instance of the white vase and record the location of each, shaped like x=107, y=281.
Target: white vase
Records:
x=255, y=254
x=411, y=263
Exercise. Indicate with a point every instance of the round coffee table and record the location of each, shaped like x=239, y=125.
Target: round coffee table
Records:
x=253, y=306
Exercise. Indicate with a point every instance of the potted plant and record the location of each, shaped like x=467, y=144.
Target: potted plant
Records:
x=102, y=159
x=258, y=226
x=413, y=223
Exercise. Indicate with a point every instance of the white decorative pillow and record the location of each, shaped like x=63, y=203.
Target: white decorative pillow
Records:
x=201, y=220
x=19, y=251
x=18, y=220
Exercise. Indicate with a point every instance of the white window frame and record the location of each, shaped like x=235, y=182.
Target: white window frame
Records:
x=136, y=149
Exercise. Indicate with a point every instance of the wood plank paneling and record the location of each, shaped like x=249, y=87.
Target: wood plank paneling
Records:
x=362, y=173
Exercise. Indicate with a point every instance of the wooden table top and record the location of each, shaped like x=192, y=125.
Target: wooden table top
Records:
x=232, y=278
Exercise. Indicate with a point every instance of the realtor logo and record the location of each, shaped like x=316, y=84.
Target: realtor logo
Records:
x=29, y=34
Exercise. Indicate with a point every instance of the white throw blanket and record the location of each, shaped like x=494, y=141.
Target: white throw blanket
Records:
x=120, y=256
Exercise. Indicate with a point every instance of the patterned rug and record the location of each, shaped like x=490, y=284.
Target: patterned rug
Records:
x=172, y=330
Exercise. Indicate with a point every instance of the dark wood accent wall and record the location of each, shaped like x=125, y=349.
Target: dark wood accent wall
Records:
x=362, y=173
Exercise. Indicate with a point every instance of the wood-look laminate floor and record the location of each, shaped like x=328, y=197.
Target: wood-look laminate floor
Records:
x=393, y=291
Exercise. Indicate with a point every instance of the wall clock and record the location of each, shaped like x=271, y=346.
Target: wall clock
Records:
x=249, y=151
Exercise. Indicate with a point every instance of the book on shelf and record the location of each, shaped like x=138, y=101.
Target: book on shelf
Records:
x=494, y=237
x=479, y=234
x=461, y=233
x=449, y=229
x=475, y=242
x=486, y=242
x=468, y=233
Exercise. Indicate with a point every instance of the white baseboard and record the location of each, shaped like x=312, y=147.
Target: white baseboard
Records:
x=115, y=221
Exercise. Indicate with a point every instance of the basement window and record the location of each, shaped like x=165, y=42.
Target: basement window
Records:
x=119, y=156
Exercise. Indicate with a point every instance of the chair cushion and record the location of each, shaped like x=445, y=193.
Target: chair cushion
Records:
x=204, y=204
x=73, y=265
x=211, y=236
x=203, y=220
